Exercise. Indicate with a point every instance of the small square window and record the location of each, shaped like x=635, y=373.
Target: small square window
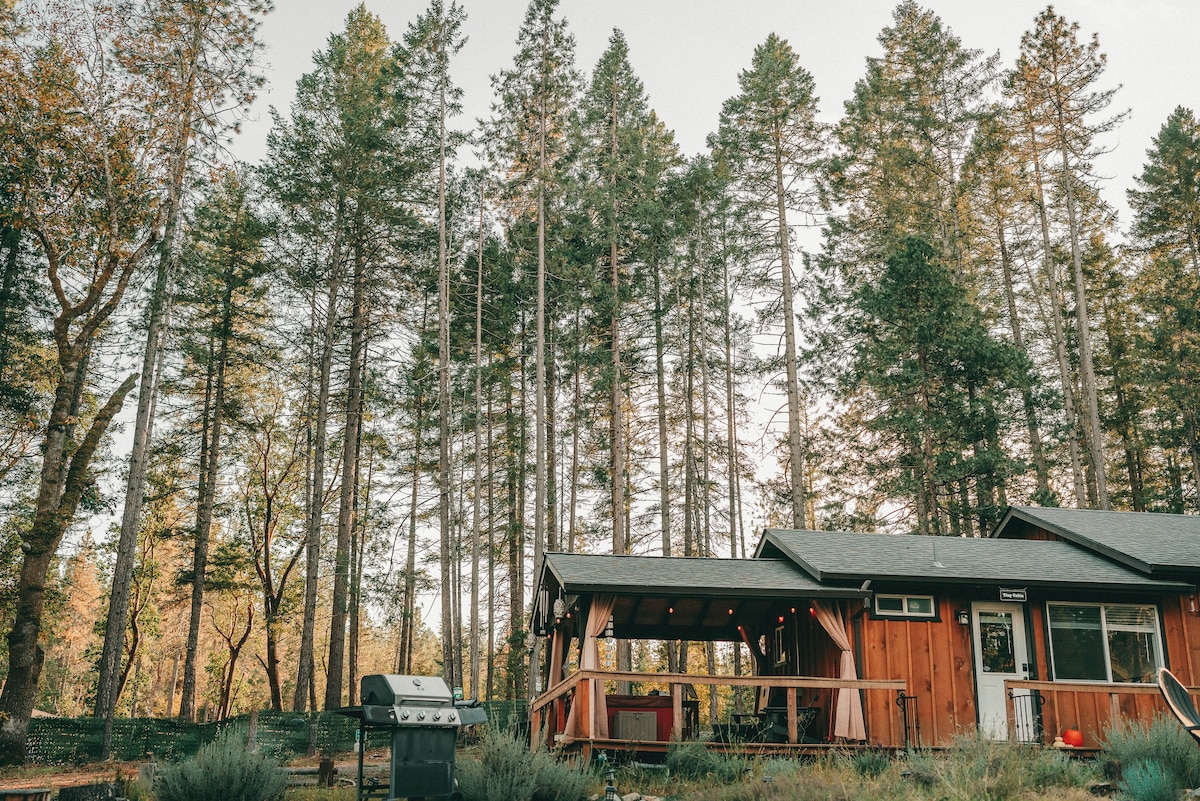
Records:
x=919, y=605
x=889, y=603
x=905, y=606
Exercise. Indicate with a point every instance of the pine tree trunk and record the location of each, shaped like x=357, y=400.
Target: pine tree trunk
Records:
x=349, y=486
x=118, y=605
x=110, y=657
x=576, y=427
x=477, y=483
x=619, y=545
x=357, y=543
x=733, y=467
x=552, y=512
x=539, y=381
x=210, y=465
x=1060, y=346
x=795, y=441
x=1043, y=494
x=306, y=668
x=1087, y=371
x=516, y=619
x=491, y=548
x=705, y=418
x=447, y=583
x=660, y=385
x=408, y=621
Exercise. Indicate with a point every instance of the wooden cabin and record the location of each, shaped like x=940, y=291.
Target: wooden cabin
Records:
x=1059, y=620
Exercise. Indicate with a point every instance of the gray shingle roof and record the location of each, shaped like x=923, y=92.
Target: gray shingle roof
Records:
x=684, y=576
x=833, y=556
x=1147, y=541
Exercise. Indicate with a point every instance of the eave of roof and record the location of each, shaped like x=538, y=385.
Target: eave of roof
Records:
x=687, y=577
x=852, y=557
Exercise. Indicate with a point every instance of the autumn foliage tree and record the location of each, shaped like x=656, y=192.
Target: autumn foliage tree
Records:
x=91, y=196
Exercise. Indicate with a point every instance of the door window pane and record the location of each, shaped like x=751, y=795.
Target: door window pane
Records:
x=997, y=649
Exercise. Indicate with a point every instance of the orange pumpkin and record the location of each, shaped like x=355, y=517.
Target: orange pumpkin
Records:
x=1073, y=737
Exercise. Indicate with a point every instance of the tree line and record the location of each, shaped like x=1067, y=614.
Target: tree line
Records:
x=404, y=356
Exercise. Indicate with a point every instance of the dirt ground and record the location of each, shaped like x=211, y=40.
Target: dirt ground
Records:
x=56, y=777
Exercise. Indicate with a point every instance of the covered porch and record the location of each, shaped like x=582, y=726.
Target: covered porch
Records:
x=798, y=689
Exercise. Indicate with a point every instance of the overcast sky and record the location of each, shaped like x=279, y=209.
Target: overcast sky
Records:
x=688, y=53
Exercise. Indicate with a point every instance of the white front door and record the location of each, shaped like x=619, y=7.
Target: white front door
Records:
x=998, y=631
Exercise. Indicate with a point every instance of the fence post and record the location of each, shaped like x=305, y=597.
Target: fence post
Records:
x=252, y=737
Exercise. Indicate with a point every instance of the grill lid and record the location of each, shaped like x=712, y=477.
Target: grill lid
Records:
x=394, y=690
x=408, y=701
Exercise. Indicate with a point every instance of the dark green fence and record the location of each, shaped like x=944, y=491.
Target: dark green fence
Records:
x=58, y=741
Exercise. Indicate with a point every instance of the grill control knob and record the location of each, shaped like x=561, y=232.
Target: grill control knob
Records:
x=420, y=716
x=437, y=715
x=404, y=714
x=451, y=717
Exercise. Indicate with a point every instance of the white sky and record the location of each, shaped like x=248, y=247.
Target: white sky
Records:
x=688, y=53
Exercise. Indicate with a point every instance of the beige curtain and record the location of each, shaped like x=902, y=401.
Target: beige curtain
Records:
x=556, y=657
x=848, y=718
x=589, y=659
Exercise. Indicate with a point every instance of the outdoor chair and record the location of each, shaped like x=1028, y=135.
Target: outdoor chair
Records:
x=1179, y=701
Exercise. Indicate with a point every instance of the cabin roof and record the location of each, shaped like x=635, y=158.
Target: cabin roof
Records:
x=1153, y=543
x=840, y=556
x=692, y=577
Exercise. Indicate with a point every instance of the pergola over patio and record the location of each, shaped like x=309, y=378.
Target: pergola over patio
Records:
x=583, y=597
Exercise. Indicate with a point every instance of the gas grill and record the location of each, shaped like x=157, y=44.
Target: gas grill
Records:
x=424, y=721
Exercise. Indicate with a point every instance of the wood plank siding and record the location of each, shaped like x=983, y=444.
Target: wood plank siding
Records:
x=934, y=657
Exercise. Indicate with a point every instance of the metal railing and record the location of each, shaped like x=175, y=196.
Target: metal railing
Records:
x=1027, y=715
x=910, y=719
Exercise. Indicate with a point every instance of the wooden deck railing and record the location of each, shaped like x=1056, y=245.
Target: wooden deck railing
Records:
x=1087, y=706
x=548, y=712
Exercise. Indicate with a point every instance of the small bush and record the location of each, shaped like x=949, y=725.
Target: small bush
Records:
x=694, y=761
x=502, y=773
x=1050, y=767
x=870, y=763
x=508, y=771
x=223, y=770
x=978, y=768
x=1149, y=780
x=1161, y=740
x=561, y=781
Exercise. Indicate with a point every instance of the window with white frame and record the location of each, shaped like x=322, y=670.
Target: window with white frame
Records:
x=889, y=605
x=1104, y=642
